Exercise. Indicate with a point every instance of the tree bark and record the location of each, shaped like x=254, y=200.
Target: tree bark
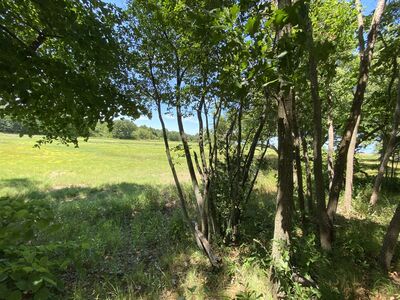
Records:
x=390, y=240
x=299, y=171
x=331, y=138
x=348, y=190
x=388, y=151
x=309, y=192
x=323, y=221
x=199, y=197
x=355, y=111
x=284, y=199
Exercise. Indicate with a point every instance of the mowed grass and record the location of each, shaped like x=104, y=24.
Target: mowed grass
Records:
x=96, y=162
x=117, y=207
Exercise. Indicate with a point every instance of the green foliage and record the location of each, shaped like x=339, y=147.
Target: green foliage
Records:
x=9, y=126
x=63, y=66
x=305, y=256
x=248, y=295
x=123, y=129
x=28, y=264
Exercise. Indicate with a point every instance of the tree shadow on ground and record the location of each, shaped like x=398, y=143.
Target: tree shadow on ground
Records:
x=351, y=270
x=130, y=241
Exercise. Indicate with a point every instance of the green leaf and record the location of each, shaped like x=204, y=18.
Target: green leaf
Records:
x=15, y=295
x=21, y=213
x=3, y=289
x=282, y=54
x=49, y=280
x=22, y=285
x=280, y=17
x=234, y=10
x=252, y=25
x=42, y=294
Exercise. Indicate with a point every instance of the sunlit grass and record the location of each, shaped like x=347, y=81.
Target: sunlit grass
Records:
x=96, y=162
x=117, y=199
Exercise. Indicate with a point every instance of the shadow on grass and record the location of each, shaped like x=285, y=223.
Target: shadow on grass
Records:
x=131, y=241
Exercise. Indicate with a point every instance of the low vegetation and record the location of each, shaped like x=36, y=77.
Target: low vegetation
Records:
x=71, y=229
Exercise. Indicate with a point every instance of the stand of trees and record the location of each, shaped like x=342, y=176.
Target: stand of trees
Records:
x=121, y=129
x=248, y=71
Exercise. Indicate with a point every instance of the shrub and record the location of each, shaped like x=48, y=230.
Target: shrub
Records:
x=27, y=265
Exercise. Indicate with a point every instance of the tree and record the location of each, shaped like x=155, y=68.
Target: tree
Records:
x=317, y=151
x=284, y=200
x=191, y=73
x=123, y=129
x=387, y=67
x=63, y=66
x=388, y=151
x=355, y=111
x=390, y=240
x=348, y=191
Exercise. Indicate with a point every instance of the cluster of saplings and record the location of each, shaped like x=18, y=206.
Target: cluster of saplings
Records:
x=248, y=71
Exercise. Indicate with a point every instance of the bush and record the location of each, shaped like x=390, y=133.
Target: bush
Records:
x=28, y=266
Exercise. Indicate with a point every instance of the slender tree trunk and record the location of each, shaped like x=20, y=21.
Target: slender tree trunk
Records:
x=284, y=199
x=299, y=171
x=323, y=221
x=172, y=166
x=201, y=239
x=390, y=240
x=331, y=138
x=309, y=192
x=355, y=111
x=348, y=190
x=199, y=197
x=388, y=151
x=236, y=187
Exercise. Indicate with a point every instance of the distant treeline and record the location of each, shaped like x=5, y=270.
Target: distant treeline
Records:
x=122, y=129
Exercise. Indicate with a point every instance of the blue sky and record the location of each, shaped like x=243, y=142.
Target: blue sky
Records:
x=191, y=123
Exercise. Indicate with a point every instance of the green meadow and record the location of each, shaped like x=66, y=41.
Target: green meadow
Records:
x=118, y=231
x=96, y=162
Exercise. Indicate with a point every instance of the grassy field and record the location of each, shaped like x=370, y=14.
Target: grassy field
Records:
x=97, y=162
x=122, y=232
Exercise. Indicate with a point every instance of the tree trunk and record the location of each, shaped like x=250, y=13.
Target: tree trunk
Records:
x=355, y=111
x=388, y=151
x=201, y=240
x=331, y=138
x=299, y=171
x=390, y=240
x=200, y=200
x=284, y=199
x=323, y=221
x=348, y=190
x=309, y=192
